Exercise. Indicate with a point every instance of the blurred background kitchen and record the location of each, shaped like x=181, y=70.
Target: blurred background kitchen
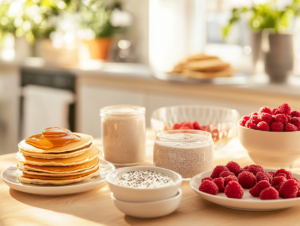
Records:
x=63, y=60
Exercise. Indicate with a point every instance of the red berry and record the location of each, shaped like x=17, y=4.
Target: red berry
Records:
x=281, y=118
x=226, y=174
x=290, y=127
x=244, y=119
x=220, y=183
x=263, y=126
x=188, y=125
x=255, y=169
x=265, y=110
x=287, y=173
x=177, y=126
x=254, y=113
x=261, y=185
x=266, y=117
x=209, y=187
x=228, y=179
x=284, y=109
x=275, y=111
x=277, y=182
x=250, y=125
x=295, y=179
x=217, y=171
x=234, y=167
x=268, y=194
x=207, y=178
x=298, y=193
x=281, y=175
x=264, y=176
x=277, y=126
x=289, y=118
x=289, y=189
x=247, y=179
x=196, y=125
x=296, y=122
x=272, y=173
x=295, y=114
x=255, y=119
x=234, y=190
x=246, y=167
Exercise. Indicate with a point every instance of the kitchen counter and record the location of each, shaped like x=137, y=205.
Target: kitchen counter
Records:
x=96, y=207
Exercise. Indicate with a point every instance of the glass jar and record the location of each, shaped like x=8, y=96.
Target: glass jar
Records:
x=187, y=152
x=123, y=133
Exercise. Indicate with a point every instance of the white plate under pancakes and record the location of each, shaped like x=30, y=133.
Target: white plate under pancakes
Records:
x=8, y=176
x=248, y=202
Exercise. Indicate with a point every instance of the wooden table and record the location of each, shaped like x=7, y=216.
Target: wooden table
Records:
x=96, y=207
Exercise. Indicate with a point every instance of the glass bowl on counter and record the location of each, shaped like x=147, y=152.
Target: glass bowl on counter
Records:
x=219, y=121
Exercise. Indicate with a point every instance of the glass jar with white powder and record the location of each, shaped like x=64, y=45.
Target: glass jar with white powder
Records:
x=187, y=152
x=123, y=134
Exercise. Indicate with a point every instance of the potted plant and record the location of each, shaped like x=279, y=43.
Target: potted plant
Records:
x=272, y=25
x=96, y=16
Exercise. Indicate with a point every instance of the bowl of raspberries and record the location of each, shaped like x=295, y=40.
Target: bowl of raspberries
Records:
x=251, y=187
x=271, y=136
x=219, y=121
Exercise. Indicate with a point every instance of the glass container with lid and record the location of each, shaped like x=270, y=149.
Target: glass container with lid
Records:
x=123, y=132
x=187, y=152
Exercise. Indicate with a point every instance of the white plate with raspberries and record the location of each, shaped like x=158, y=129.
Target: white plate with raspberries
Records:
x=268, y=190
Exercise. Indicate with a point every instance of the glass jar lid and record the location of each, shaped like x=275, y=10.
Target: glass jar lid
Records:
x=185, y=137
x=122, y=110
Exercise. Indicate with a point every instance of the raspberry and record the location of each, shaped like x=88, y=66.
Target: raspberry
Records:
x=220, y=183
x=244, y=119
x=234, y=190
x=196, y=125
x=265, y=110
x=250, y=125
x=289, y=189
x=295, y=114
x=254, y=113
x=296, y=122
x=255, y=169
x=298, y=193
x=217, y=171
x=187, y=125
x=228, y=179
x=284, y=109
x=261, y=185
x=234, y=167
x=290, y=127
x=177, y=126
x=295, y=179
x=281, y=175
x=289, y=118
x=266, y=117
x=275, y=111
x=263, y=126
x=263, y=176
x=272, y=173
x=246, y=167
x=207, y=178
x=209, y=187
x=269, y=193
x=255, y=119
x=281, y=118
x=277, y=182
x=277, y=126
x=226, y=174
x=247, y=179
x=287, y=173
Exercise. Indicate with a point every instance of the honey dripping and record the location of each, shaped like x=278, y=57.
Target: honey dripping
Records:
x=52, y=137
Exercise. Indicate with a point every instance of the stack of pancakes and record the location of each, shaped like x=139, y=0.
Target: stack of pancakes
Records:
x=71, y=163
x=202, y=66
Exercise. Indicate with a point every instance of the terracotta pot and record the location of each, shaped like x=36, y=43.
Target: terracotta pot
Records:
x=99, y=48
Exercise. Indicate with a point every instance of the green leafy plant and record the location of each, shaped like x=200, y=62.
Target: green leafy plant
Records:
x=96, y=14
x=265, y=16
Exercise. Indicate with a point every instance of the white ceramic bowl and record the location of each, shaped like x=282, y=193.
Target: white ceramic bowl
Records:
x=219, y=121
x=271, y=149
x=248, y=202
x=143, y=194
x=149, y=209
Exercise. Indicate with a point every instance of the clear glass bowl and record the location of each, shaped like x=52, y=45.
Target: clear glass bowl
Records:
x=219, y=121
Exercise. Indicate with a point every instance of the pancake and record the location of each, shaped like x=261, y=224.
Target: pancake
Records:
x=60, y=155
x=89, y=155
x=85, y=140
x=63, y=174
x=60, y=169
x=43, y=180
